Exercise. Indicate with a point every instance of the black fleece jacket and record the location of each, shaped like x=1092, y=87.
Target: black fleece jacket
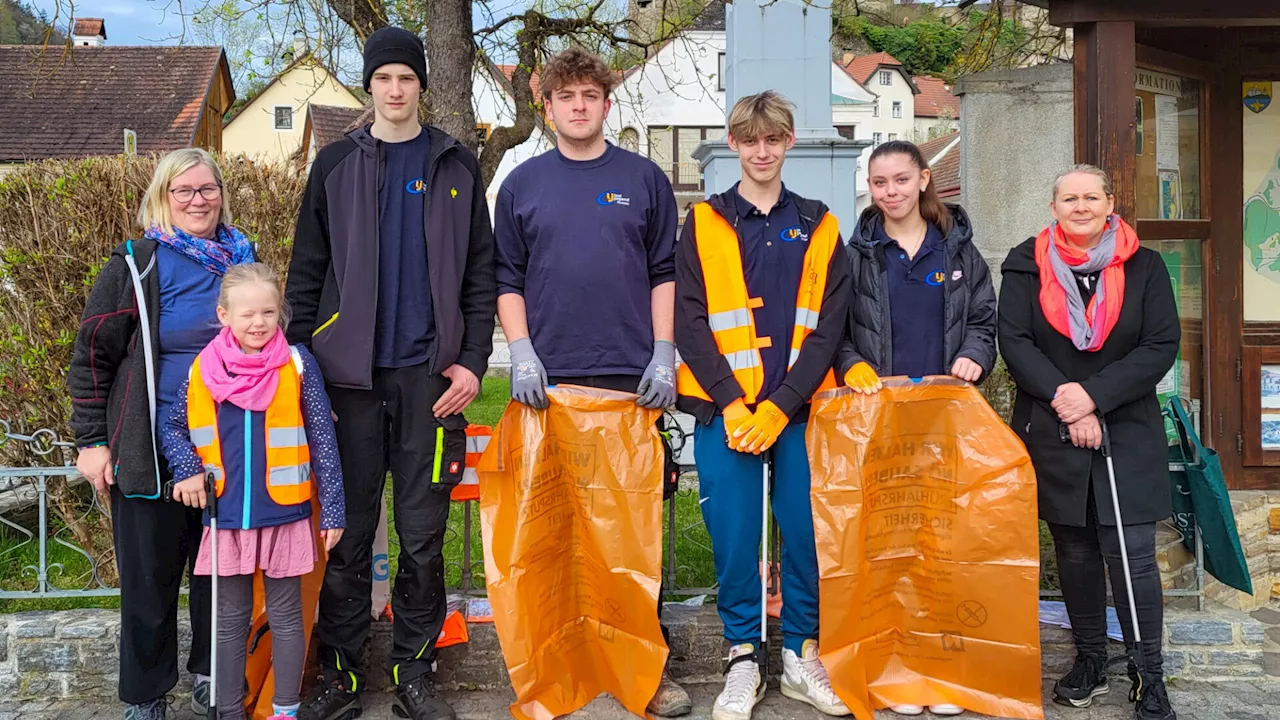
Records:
x=697, y=344
x=333, y=274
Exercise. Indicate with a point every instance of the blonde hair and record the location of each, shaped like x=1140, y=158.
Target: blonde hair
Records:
x=248, y=274
x=1084, y=169
x=765, y=113
x=154, y=209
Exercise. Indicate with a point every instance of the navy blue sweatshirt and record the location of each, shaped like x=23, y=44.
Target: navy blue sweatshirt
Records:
x=585, y=243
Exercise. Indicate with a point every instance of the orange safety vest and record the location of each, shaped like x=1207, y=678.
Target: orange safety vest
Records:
x=729, y=306
x=288, y=457
x=477, y=440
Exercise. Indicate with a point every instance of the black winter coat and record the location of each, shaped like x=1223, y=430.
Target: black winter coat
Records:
x=1121, y=379
x=969, y=305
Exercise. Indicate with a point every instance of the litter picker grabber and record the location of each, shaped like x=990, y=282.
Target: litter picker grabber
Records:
x=766, y=479
x=1136, y=654
x=211, y=504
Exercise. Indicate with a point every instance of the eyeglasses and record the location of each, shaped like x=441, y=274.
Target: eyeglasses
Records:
x=186, y=194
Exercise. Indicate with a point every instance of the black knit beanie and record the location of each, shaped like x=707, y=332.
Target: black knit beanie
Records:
x=394, y=45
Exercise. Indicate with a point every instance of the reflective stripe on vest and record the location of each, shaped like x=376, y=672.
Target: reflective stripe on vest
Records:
x=729, y=306
x=288, y=472
x=477, y=440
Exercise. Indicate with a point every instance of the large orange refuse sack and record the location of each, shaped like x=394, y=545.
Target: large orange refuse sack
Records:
x=571, y=509
x=258, y=671
x=924, y=511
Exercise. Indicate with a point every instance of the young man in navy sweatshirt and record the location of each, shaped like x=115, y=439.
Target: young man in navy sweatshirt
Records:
x=585, y=237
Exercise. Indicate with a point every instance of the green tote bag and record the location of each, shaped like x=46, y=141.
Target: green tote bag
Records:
x=1200, y=498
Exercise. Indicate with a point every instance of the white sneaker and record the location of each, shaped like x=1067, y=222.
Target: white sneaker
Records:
x=805, y=679
x=907, y=709
x=946, y=709
x=743, y=687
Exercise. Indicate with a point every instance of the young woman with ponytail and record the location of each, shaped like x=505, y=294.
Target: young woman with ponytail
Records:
x=923, y=303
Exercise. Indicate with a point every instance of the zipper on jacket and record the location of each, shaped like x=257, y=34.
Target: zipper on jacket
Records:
x=325, y=324
x=248, y=469
x=426, y=207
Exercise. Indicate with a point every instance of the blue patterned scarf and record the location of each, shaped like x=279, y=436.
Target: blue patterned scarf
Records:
x=229, y=247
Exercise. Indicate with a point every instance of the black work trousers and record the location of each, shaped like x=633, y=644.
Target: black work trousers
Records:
x=391, y=427
x=1081, y=553
x=156, y=542
x=618, y=383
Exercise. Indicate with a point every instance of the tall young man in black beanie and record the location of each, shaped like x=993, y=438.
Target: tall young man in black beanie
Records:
x=392, y=285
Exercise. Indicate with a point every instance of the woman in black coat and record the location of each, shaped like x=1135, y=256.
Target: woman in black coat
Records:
x=1088, y=327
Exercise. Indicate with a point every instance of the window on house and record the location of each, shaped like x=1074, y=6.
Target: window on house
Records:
x=283, y=117
x=897, y=109
x=720, y=74
x=483, y=131
x=847, y=131
x=629, y=139
x=893, y=136
x=886, y=77
x=672, y=149
x=877, y=138
x=875, y=110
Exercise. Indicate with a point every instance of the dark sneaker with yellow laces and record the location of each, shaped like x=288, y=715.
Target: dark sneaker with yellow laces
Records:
x=332, y=702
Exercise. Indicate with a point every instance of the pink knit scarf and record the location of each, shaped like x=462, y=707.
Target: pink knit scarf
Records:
x=247, y=381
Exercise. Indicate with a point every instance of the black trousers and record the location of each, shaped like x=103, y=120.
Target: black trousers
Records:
x=1081, y=553
x=391, y=427
x=618, y=383
x=156, y=541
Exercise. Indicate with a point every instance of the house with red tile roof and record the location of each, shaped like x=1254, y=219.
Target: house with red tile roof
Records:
x=937, y=111
x=895, y=91
x=77, y=101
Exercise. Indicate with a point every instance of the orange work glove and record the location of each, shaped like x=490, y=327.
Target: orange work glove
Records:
x=863, y=379
x=762, y=430
x=734, y=416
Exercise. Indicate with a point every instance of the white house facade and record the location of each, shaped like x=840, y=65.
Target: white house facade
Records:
x=665, y=107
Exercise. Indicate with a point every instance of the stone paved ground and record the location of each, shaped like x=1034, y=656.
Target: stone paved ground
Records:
x=1194, y=701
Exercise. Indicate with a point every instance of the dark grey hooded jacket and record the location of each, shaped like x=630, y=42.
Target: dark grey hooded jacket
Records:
x=333, y=275
x=969, y=305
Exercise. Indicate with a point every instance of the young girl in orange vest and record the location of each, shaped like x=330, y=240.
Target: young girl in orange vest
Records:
x=254, y=413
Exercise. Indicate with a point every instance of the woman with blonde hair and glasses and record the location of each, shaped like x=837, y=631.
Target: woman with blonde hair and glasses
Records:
x=1088, y=327
x=151, y=310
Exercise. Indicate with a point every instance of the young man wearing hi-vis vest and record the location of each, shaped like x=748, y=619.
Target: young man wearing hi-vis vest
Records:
x=762, y=282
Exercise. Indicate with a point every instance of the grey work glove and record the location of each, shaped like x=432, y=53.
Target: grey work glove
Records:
x=528, y=377
x=658, y=384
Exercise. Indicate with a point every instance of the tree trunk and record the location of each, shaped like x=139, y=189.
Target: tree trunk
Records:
x=526, y=105
x=451, y=56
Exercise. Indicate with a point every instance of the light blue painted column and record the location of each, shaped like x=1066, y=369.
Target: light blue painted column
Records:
x=785, y=45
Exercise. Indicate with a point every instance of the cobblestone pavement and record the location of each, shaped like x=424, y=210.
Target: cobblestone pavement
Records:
x=1240, y=700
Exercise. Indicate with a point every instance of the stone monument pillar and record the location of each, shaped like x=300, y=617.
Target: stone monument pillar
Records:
x=785, y=45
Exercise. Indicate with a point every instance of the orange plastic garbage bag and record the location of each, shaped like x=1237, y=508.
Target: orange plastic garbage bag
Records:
x=258, y=670
x=924, y=510
x=570, y=507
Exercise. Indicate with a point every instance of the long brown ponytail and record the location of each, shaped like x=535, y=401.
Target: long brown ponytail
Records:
x=931, y=208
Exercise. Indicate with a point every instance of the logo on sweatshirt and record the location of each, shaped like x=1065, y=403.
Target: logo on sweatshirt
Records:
x=936, y=278
x=612, y=197
x=793, y=234
x=416, y=186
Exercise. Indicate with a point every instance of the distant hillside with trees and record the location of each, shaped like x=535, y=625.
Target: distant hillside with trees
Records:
x=22, y=24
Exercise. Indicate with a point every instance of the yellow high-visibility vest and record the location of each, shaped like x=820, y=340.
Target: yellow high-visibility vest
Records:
x=730, y=308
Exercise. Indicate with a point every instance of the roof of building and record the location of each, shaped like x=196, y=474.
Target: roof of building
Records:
x=943, y=156
x=89, y=26
x=862, y=67
x=330, y=122
x=935, y=97
x=712, y=17
x=535, y=80
x=72, y=102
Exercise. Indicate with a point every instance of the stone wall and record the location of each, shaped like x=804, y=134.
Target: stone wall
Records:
x=72, y=654
x=1016, y=135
